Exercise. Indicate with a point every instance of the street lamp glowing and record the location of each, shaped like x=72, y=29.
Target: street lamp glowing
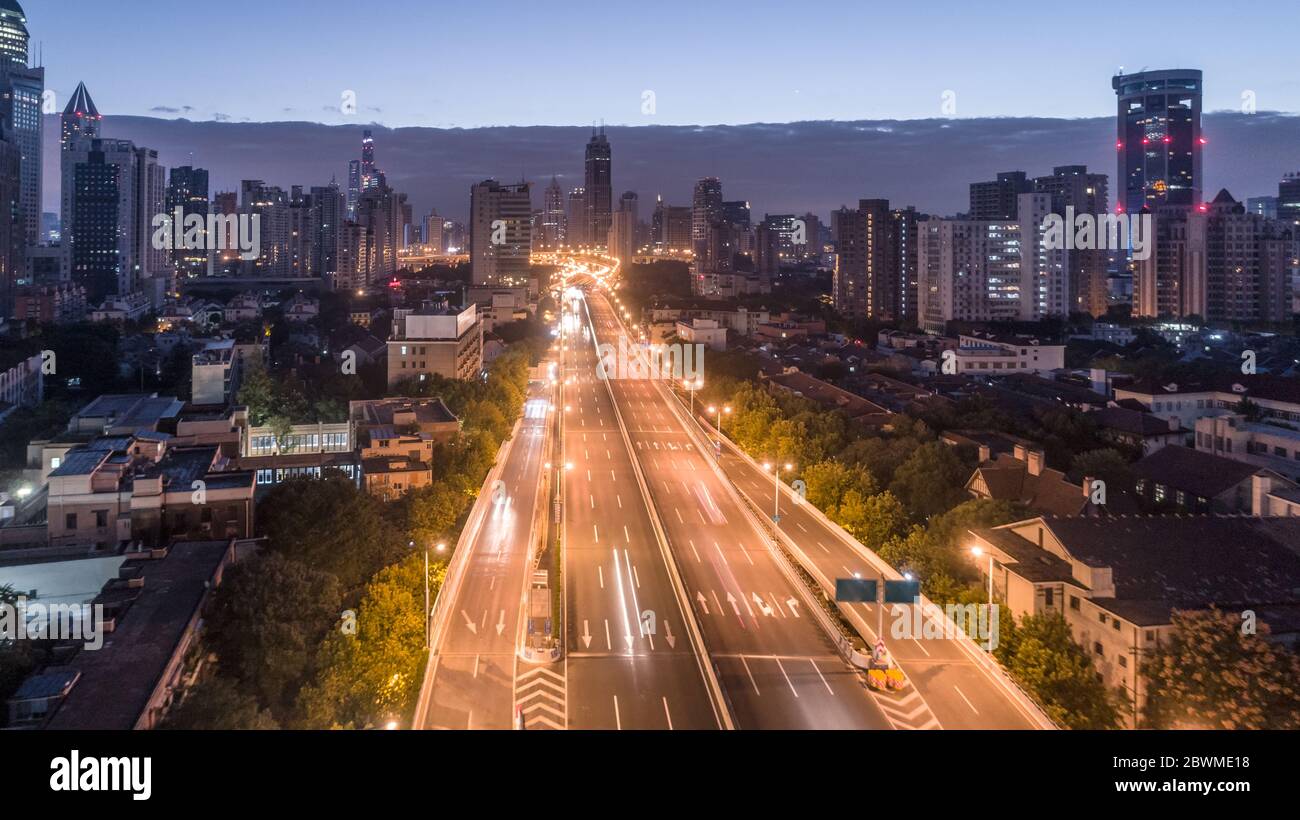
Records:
x=441, y=547
x=976, y=551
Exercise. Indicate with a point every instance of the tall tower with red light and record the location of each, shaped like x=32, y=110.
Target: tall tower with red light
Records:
x=1159, y=140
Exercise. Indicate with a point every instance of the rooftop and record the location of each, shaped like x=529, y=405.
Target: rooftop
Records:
x=1202, y=474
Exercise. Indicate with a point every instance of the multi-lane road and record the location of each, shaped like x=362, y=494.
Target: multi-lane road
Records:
x=678, y=611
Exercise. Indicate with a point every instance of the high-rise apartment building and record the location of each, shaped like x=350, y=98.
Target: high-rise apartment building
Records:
x=599, y=187
x=500, y=238
x=670, y=228
x=1170, y=281
x=576, y=235
x=111, y=191
x=328, y=207
x=1072, y=187
x=1250, y=262
x=990, y=270
x=706, y=209
x=866, y=280
x=1288, y=198
x=1159, y=139
x=998, y=199
x=187, y=189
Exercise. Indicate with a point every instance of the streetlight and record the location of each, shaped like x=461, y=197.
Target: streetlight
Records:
x=776, y=488
x=690, y=387
x=717, y=413
x=978, y=551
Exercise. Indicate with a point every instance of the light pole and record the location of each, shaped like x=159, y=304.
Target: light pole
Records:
x=977, y=552
x=776, y=489
x=717, y=412
x=690, y=387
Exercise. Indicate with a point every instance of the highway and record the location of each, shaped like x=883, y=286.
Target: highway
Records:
x=778, y=668
x=474, y=673
x=622, y=671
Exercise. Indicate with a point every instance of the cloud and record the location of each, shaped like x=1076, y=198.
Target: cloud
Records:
x=779, y=167
x=167, y=109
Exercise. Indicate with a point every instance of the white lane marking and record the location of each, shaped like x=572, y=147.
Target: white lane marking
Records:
x=820, y=675
x=601, y=572
x=618, y=722
x=790, y=683
x=752, y=682
x=968, y=703
x=593, y=501
x=668, y=714
x=745, y=552
x=694, y=550
x=823, y=546
x=619, y=498
x=680, y=520
x=608, y=643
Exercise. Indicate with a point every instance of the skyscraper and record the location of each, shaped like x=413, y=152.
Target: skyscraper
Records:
x=187, y=189
x=80, y=118
x=354, y=187
x=500, y=239
x=576, y=223
x=706, y=209
x=1159, y=140
x=866, y=280
x=329, y=212
x=111, y=192
x=998, y=198
x=599, y=186
x=670, y=228
x=553, y=218
x=1071, y=186
x=1288, y=198
x=21, y=89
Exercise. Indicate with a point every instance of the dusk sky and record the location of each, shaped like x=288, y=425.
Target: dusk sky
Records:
x=471, y=64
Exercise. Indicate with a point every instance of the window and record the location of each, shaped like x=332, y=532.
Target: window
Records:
x=1123, y=662
x=70, y=521
x=1048, y=597
x=1115, y=623
x=1074, y=602
x=55, y=462
x=1151, y=636
x=1097, y=648
x=1101, y=616
x=101, y=518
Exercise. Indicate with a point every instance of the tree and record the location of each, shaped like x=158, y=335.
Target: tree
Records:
x=218, y=703
x=1108, y=465
x=267, y=618
x=872, y=519
x=330, y=524
x=432, y=512
x=1213, y=674
x=257, y=393
x=1042, y=656
x=930, y=480
x=373, y=676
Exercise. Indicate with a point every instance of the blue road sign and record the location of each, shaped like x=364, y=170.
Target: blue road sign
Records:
x=855, y=590
x=902, y=592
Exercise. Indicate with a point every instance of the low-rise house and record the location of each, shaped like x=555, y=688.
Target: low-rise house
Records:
x=1180, y=478
x=1275, y=397
x=408, y=415
x=827, y=395
x=395, y=463
x=301, y=308
x=1270, y=445
x=1117, y=581
x=1022, y=476
x=1138, y=430
x=154, y=609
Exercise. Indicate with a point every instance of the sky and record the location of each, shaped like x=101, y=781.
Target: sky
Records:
x=474, y=63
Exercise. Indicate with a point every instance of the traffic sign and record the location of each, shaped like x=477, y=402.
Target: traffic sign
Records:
x=902, y=592
x=855, y=590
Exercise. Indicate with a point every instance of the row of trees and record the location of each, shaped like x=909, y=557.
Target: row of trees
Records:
x=324, y=628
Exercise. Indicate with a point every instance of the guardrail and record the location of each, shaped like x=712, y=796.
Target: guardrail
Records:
x=981, y=658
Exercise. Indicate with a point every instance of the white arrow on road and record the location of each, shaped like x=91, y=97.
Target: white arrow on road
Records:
x=731, y=599
x=794, y=606
x=469, y=622
x=586, y=635
x=630, y=640
x=704, y=604
x=764, y=608
x=668, y=635
x=501, y=623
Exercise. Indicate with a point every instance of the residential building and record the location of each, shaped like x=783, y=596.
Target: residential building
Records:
x=435, y=340
x=1117, y=582
x=500, y=241
x=1194, y=481
x=999, y=200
